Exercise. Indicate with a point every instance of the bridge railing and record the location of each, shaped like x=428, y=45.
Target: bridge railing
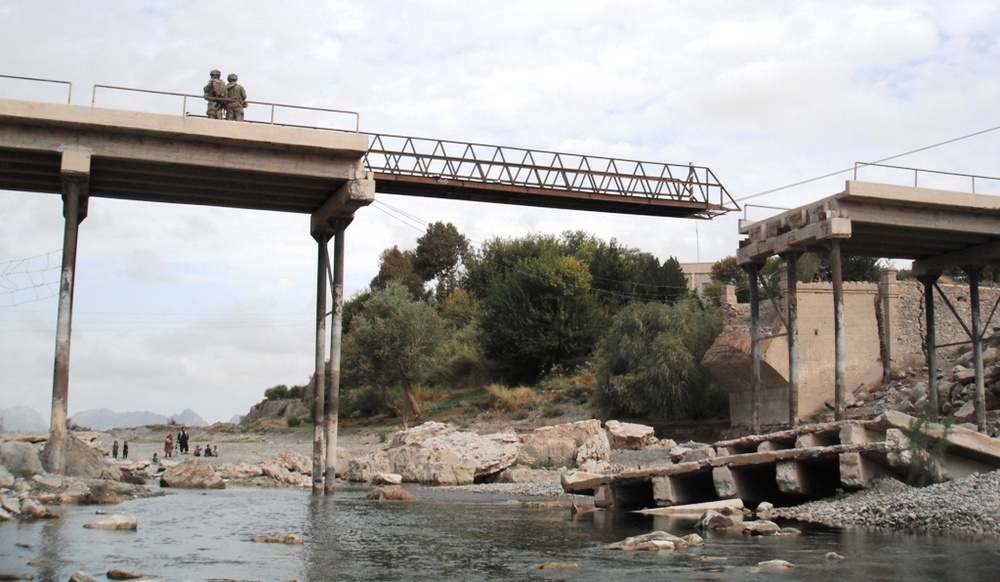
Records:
x=67, y=84
x=274, y=113
x=473, y=162
x=924, y=178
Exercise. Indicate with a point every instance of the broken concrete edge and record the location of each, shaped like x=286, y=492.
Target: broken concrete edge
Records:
x=961, y=441
x=694, y=509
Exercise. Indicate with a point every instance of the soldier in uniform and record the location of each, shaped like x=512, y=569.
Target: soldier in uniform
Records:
x=236, y=99
x=215, y=94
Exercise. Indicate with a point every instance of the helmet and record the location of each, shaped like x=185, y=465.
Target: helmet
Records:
x=232, y=77
x=215, y=73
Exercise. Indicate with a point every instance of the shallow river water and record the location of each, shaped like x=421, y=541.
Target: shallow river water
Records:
x=448, y=535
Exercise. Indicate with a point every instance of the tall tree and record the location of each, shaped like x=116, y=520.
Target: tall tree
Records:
x=440, y=252
x=538, y=315
x=398, y=265
x=394, y=341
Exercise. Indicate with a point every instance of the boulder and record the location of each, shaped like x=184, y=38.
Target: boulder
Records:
x=421, y=433
x=80, y=576
x=122, y=574
x=32, y=509
x=627, y=435
x=438, y=454
x=432, y=466
x=6, y=479
x=715, y=520
x=20, y=458
x=390, y=494
x=365, y=468
x=527, y=475
x=193, y=473
x=387, y=479
x=115, y=522
x=83, y=460
x=565, y=445
x=289, y=468
x=657, y=540
x=761, y=527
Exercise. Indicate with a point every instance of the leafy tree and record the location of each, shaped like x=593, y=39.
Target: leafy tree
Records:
x=539, y=315
x=397, y=265
x=394, y=341
x=622, y=275
x=648, y=364
x=440, y=252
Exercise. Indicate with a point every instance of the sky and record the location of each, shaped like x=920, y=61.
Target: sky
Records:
x=194, y=307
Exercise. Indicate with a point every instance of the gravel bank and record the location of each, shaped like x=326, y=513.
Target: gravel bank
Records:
x=970, y=505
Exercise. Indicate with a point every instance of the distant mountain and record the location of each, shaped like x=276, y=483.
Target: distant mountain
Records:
x=103, y=419
x=22, y=418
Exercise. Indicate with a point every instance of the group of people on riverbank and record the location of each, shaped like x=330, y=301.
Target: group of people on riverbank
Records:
x=225, y=100
x=124, y=449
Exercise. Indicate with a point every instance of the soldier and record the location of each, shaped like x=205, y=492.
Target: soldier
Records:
x=215, y=94
x=236, y=99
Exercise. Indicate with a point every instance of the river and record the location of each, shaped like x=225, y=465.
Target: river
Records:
x=448, y=535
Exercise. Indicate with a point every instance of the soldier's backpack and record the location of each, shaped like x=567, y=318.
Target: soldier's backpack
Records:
x=218, y=88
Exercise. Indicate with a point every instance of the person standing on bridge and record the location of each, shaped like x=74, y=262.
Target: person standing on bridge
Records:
x=215, y=94
x=236, y=99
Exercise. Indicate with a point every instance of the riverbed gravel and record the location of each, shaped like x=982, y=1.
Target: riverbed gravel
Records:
x=970, y=505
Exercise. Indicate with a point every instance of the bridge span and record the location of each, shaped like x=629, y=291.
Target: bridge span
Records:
x=82, y=152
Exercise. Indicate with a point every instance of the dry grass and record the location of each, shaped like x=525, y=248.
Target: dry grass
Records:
x=512, y=399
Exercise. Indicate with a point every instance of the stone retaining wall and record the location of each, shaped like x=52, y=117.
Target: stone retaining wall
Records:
x=885, y=325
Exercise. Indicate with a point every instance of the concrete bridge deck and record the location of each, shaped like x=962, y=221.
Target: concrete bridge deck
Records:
x=170, y=158
x=796, y=465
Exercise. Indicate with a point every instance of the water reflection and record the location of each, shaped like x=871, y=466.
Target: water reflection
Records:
x=448, y=536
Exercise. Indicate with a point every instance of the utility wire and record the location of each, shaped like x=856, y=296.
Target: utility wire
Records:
x=844, y=171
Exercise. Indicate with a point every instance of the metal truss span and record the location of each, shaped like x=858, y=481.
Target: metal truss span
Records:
x=490, y=173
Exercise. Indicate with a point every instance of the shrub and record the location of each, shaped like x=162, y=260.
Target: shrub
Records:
x=648, y=363
x=293, y=421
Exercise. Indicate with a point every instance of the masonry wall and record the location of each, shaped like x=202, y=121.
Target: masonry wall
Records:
x=885, y=326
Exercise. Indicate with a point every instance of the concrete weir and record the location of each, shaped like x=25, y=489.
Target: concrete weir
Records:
x=796, y=465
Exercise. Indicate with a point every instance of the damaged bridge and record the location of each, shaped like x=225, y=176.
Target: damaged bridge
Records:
x=797, y=465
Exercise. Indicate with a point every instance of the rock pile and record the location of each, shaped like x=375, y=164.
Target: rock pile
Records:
x=441, y=454
x=969, y=505
x=907, y=391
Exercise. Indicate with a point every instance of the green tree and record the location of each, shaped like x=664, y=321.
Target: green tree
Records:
x=648, y=363
x=538, y=315
x=394, y=341
x=397, y=265
x=439, y=255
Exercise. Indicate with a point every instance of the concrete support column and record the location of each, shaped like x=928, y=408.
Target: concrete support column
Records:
x=931, y=342
x=319, y=374
x=75, y=172
x=977, y=346
x=330, y=420
x=792, y=299
x=753, y=270
x=839, y=330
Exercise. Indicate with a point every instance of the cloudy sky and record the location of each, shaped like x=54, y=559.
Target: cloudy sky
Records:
x=191, y=307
